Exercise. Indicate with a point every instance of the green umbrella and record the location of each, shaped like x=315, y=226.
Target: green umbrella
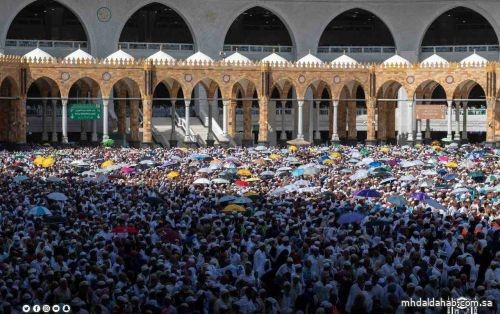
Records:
x=476, y=174
x=19, y=156
x=364, y=152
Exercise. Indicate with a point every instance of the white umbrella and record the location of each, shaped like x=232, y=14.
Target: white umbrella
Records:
x=260, y=148
x=88, y=173
x=220, y=181
x=267, y=174
x=56, y=196
x=310, y=189
x=202, y=181
x=407, y=178
x=390, y=179
x=146, y=162
x=359, y=175
x=205, y=170
x=365, y=161
x=310, y=171
x=80, y=163
x=284, y=169
x=112, y=168
x=429, y=173
x=426, y=184
x=460, y=191
x=302, y=183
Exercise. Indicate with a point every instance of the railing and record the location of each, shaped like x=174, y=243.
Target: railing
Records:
x=356, y=49
x=156, y=46
x=258, y=48
x=461, y=48
x=219, y=133
x=45, y=43
x=239, y=111
x=181, y=123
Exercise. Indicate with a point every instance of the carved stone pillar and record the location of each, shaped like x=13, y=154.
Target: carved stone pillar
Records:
x=134, y=121
x=263, y=121
x=371, y=122
x=382, y=121
x=247, y=122
x=21, y=120
x=342, y=120
x=491, y=104
x=351, y=120
x=147, y=116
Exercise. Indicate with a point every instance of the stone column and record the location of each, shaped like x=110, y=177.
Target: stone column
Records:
x=187, y=106
x=134, y=121
x=225, y=120
x=45, y=135
x=457, y=118
x=491, y=104
x=94, y=131
x=210, y=135
x=382, y=121
x=317, y=135
x=351, y=120
x=105, y=117
x=427, y=129
x=464, y=126
x=342, y=121
x=64, y=119
x=335, y=129
x=391, y=121
x=371, y=104
x=54, y=121
x=247, y=121
x=283, y=132
x=21, y=119
x=147, y=116
x=83, y=133
x=411, y=120
x=300, y=121
x=419, y=131
x=121, y=113
x=263, y=120
x=449, y=135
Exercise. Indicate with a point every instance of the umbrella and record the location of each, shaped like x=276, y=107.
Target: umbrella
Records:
x=53, y=179
x=291, y=159
x=385, y=149
x=476, y=174
x=226, y=199
x=407, y=178
x=260, y=148
x=260, y=162
x=88, y=173
x=39, y=211
x=56, y=196
x=349, y=218
x=205, y=170
x=253, y=179
x=274, y=156
x=346, y=170
x=375, y=164
x=302, y=183
x=241, y=183
x=367, y=193
x=327, y=162
x=79, y=163
x=48, y=162
x=309, y=189
x=419, y=196
x=244, y=173
x=397, y=200
x=168, y=164
x=390, y=179
x=426, y=183
x=442, y=172
x=364, y=152
x=19, y=179
x=38, y=161
x=173, y=174
x=298, y=142
x=146, y=162
x=359, y=175
x=125, y=229
x=106, y=164
x=297, y=172
x=199, y=156
x=220, y=181
x=267, y=174
x=284, y=169
x=450, y=176
x=451, y=164
x=460, y=191
x=234, y=208
x=443, y=158
x=202, y=181
x=433, y=203
x=242, y=200
x=365, y=161
x=251, y=194
x=429, y=173
x=127, y=170
x=335, y=155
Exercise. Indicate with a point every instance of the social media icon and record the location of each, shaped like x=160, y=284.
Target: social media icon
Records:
x=56, y=308
x=36, y=308
x=26, y=308
x=46, y=308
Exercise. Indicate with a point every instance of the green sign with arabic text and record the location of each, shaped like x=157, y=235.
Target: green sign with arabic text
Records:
x=85, y=112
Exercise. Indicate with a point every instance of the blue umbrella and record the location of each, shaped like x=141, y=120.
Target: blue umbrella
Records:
x=433, y=203
x=442, y=172
x=227, y=198
x=420, y=196
x=450, y=176
x=298, y=172
x=367, y=193
x=375, y=164
x=349, y=218
x=397, y=200
x=40, y=211
x=323, y=158
x=242, y=200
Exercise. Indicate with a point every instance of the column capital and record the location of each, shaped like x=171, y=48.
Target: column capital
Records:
x=147, y=97
x=371, y=102
x=187, y=102
x=449, y=102
x=335, y=102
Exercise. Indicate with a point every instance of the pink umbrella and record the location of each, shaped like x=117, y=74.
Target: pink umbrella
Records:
x=127, y=170
x=443, y=158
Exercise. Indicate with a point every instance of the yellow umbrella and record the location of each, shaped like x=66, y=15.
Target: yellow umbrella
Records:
x=293, y=148
x=437, y=148
x=234, y=208
x=335, y=155
x=173, y=174
x=274, y=156
x=107, y=164
x=38, y=161
x=215, y=162
x=48, y=162
x=254, y=179
x=327, y=162
x=182, y=149
x=436, y=143
x=251, y=194
x=385, y=149
x=313, y=149
x=418, y=145
x=244, y=173
x=451, y=164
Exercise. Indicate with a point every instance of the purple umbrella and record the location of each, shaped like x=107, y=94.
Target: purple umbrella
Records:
x=349, y=218
x=392, y=162
x=168, y=164
x=420, y=196
x=367, y=193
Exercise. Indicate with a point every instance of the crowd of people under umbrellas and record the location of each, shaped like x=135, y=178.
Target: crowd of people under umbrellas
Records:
x=249, y=230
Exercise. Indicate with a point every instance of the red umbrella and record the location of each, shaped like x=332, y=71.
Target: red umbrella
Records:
x=125, y=229
x=241, y=183
x=127, y=170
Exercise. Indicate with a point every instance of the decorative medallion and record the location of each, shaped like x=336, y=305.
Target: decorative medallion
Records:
x=226, y=78
x=188, y=77
x=410, y=79
x=106, y=76
x=336, y=79
x=449, y=79
x=65, y=76
x=302, y=79
x=103, y=14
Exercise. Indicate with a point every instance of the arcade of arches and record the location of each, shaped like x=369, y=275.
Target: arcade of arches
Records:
x=258, y=93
